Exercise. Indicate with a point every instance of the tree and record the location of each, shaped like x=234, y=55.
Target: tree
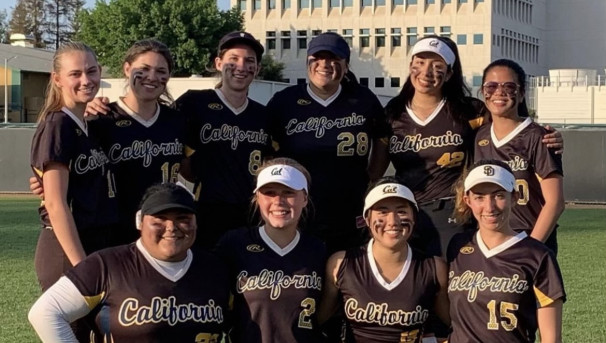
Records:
x=61, y=16
x=28, y=18
x=3, y=27
x=191, y=29
x=271, y=70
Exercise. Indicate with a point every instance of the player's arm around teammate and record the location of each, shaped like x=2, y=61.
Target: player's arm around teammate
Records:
x=495, y=256
x=386, y=275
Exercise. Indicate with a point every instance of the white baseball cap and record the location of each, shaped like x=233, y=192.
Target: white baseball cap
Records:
x=490, y=173
x=437, y=47
x=283, y=174
x=388, y=190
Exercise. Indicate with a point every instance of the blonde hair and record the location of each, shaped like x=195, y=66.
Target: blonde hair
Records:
x=54, y=98
x=152, y=45
x=289, y=162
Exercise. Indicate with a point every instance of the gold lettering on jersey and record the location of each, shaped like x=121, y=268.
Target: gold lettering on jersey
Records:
x=275, y=281
x=319, y=125
x=167, y=310
x=232, y=134
x=215, y=106
x=84, y=163
x=483, y=142
x=144, y=150
x=375, y=313
x=417, y=143
x=303, y=102
x=517, y=164
x=123, y=123
x=472, y=282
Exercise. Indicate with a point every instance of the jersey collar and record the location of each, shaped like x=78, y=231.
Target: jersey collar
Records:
x=375, y=269
x=276, y=248
x=488, y=253
x=81, y=124
x=321, y=101
x=428, y=120
x=146, y=123
x=228, y=105
x=499, y=143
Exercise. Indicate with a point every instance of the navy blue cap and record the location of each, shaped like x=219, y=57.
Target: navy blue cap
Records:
x=166, y=197
x=331, y=42
x=241, y=37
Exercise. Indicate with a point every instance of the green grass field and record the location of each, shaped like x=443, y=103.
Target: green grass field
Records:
x=582, y=240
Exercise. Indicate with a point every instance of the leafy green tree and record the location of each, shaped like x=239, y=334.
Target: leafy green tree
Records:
x=29, y=18
x=191, y=29
x=271, y=70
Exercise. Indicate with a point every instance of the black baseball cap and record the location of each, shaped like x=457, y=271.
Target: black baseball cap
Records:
x=166, y=197
x=241, y=37
x=331, y=42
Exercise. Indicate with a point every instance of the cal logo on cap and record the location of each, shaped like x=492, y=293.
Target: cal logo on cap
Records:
x=303, y=102
x=390, y=189
x=215, y=106
x=434, y=43
x=123, y=123
x=488, y=171
x=276, y=171
x=254, y=248
x=466, y=250
x=483, y=142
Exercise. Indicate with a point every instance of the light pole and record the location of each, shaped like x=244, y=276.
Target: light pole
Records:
x=6, y=88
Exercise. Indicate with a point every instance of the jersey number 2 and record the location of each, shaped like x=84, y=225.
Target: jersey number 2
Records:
x=309, y=308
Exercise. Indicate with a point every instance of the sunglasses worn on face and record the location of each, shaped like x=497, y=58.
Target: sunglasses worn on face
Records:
x=510, y=88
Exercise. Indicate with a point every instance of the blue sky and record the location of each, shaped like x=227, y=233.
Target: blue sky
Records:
x=7, y=4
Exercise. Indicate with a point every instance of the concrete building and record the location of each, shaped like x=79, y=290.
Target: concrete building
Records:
x=535, y=33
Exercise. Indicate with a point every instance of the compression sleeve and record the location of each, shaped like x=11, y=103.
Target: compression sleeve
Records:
x=52, y=313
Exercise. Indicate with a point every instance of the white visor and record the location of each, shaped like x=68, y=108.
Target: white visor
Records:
x=437, y=47
x=388, y=190
x=492, y=174
x=283, y=174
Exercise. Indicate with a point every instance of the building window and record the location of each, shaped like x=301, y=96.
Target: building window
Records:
x=429, y=30
x=348, y=36
x=270, y=40
x=397, y=2
x=395, y=82
x=317, y=3
x=364, y=81
x=242, y=5
x=364, y=38
x=366, y=3
x=478, y=38
x=347, y=3
x=462, y=1
x=411, y=2
x=396, y=37
x=445, y=31
x=285, y=40
x=285, y=4
x=379, y=38
x=302, y=39
x=379, y=2
x=301, y=81
x=303, y=4
x=257, y=5
x=461, y=39
x=379, y=82
x=335, y=3
x=429, y=2
x=315, y=33
x=411, y=36
x=476, y=81
x=446, y=1
x=479, y=0
x=271, y=4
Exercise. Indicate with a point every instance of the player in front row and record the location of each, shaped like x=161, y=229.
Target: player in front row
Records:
x=276, y=271
x=515, y=139
x=154, y=290
x=227, y=138
x=386, y=288
x=503, y=284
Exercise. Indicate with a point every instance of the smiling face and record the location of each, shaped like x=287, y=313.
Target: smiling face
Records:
x=490, y=205
x=325, y=71
x=281, y=206
x=148, y=75
x=391, y=222
x=428, y=73
x=238, y=67
x=502, y=93
x=78, y=78
x=168, y=234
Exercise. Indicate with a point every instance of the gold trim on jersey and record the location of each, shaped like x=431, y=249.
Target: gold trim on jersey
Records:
x=38, y=171
x=188, y=151
x=476, y=123
x=94, y=300
x=542, y=298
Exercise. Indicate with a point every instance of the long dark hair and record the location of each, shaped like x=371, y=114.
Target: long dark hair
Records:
x=455, y=91
x=520, y=74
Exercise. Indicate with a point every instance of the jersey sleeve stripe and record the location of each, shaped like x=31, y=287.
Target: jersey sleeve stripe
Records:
x=476, y=123
x=188, y=151
x=542, y=298
x=93, y=301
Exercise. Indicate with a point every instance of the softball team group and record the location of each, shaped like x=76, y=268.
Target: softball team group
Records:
x=291, y=232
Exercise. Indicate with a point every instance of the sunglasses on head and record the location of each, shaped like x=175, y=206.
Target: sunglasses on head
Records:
x=509, y=88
